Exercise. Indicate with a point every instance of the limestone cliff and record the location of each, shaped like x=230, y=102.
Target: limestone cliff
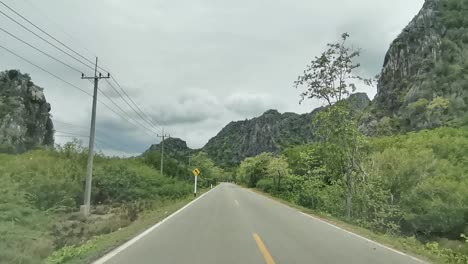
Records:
x=24, y=114
x=424, y=80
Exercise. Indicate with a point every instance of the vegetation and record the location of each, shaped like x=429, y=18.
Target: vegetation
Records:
x=41, y=191
x=328, y=76
x=427, y=84
x=410, y=185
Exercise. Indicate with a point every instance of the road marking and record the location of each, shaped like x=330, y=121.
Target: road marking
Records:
x=116, y=251
x=237, y=203
x=263, y=249
x=366, y=239
x=337, y=227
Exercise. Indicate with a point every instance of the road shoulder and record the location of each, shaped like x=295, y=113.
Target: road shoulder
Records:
x=100, y=246
x=401, y=245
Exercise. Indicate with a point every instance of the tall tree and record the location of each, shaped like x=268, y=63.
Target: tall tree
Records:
x=343, y=144
x=329, y=76
x=277, y=169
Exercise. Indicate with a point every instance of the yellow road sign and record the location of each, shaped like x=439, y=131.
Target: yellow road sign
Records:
x=196, y=172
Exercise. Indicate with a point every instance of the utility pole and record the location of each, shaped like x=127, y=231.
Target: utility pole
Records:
x=163, y=136
x=85, y=208
x=189, y=160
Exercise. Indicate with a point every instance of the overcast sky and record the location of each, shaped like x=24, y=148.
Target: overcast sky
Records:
x=192, y=65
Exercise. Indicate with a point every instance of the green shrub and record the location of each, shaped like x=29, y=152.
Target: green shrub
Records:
x=265, y=185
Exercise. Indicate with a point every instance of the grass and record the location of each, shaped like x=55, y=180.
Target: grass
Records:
x=408, y=245
x=101, y=245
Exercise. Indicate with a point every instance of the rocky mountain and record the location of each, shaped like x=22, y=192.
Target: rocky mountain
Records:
x=24, y=114
x=175, y=147
x=270, y=132
x=424, y=80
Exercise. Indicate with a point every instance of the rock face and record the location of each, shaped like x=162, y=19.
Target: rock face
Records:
x=270, y=132
x=173, y=146
x=424, y=80
x=24, y=114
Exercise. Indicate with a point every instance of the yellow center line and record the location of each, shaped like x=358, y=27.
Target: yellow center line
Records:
x=263, y=249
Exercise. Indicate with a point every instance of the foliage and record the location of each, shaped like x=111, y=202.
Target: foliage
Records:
x=251, y=170
x=407, y=185
x=69, y=252
x=328, y=76
x=209, y=172
x=40, y=189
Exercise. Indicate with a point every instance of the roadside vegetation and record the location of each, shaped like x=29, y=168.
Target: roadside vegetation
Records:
x=41, y=191
x=412, y=187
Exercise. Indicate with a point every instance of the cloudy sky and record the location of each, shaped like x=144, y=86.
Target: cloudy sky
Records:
x=191, y=65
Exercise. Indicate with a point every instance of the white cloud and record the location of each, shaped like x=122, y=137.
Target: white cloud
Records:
x=196, y=65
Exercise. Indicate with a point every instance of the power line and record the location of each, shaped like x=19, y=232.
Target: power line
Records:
x=37, y=49
x=40, y=29
x=113, y=102
x=68, y=124
x=147, y=119
x=125, y=100
x=70, y=37
x=35, y=34
x=73, y=68
x=70, y=84
x=120, y=108
x=71, y=134
x=39, y=67
x=123, y=90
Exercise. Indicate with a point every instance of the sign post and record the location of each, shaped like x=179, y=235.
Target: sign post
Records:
x=195, y=172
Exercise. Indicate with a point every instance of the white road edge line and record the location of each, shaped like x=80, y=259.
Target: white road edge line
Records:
x=337, y=227
x=366, y=239
x=127, y=244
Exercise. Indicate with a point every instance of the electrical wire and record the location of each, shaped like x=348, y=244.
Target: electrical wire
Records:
x=35, y=34
x=136, y=105
x=43, y=31
x=125, y=100
x=37, y=49
x=140, y=113
x=70, y=84
x=70, y=37
x=39, y=67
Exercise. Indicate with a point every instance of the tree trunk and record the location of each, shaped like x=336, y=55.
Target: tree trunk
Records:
x=279, y=182
x=349, y=195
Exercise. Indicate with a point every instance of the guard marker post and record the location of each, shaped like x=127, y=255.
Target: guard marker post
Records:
x=195, y=172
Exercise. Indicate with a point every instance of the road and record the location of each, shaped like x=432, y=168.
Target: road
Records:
x=231, y=224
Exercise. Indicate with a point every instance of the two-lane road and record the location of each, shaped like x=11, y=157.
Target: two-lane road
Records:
x=230, y=224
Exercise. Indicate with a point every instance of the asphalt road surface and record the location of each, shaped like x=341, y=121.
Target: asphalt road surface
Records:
x=230, y=224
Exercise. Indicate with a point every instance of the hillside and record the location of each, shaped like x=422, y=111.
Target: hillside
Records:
x=424, y=80
x=270, y=132
x=24, y=114
x=173, y=147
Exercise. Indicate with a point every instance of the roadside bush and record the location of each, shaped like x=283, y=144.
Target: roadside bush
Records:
x=40, y=187
x=265, y=185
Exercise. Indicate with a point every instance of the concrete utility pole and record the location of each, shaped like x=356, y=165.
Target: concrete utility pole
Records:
x=163, y=136
x=189, y=160
x=85, y=208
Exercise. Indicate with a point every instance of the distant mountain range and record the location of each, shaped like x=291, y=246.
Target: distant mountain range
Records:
x=270, y=132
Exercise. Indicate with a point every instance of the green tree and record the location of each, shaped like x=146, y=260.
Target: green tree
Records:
x=342, y=144
x=277, y=169
x=253, y=169
x=210, y=173
x=328, y=76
